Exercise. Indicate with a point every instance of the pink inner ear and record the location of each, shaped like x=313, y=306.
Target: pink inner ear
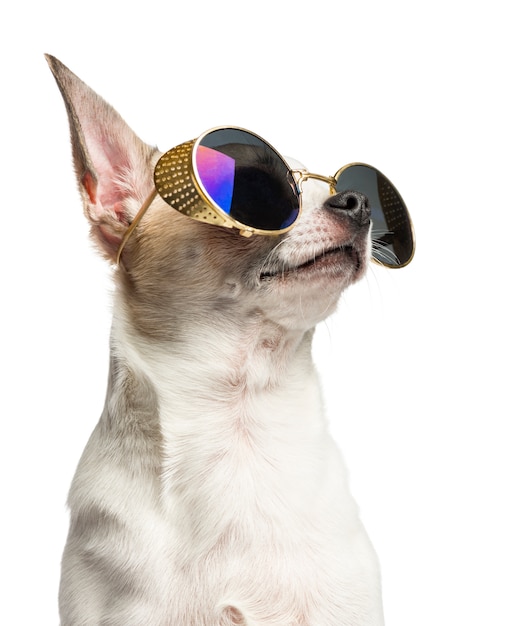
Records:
x=90, y=186
x=107, y=193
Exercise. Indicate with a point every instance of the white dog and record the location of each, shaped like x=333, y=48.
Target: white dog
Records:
x=210, y=493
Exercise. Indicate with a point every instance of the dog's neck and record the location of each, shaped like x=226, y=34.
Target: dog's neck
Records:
x=222, y=369
x=215, y=356
x=247, y=394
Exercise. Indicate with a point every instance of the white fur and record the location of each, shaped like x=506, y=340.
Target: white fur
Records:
x=211, y=493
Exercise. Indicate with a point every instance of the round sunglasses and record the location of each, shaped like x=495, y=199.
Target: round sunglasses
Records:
x=233, y=178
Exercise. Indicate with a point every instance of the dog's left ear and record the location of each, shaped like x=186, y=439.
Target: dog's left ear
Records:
x=113, y=166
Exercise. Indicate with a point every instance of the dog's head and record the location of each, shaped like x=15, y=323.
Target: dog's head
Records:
x=174, y=269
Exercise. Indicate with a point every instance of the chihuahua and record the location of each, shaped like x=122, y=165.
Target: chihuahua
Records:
x=211, y=492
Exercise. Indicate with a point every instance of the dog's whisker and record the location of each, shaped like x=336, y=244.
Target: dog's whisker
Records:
x=381, y=232
x=272, y=258
x=388, y=256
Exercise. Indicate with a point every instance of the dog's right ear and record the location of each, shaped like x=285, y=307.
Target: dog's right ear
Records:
x=113, y=166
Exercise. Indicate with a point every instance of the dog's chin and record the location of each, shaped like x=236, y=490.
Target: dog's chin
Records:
x=302, y=294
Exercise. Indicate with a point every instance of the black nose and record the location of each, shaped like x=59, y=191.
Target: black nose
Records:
x=353, y=204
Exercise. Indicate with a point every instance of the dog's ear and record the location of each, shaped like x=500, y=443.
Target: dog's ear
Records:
x=112, y=164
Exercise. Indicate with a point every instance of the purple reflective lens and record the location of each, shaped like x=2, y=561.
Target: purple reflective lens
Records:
x=247, y=179
x=216, y=171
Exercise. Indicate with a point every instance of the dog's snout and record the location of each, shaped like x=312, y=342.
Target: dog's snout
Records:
x=353, y=204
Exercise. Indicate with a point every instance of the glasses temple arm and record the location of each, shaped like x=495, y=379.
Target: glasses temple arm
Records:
x=132, y=226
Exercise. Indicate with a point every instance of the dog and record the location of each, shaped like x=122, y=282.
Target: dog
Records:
x=211, y=493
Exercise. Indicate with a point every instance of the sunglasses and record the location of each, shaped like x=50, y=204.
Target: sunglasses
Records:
x=233, y=178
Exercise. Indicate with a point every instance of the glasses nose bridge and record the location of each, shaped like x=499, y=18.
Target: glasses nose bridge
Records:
x=302, y=175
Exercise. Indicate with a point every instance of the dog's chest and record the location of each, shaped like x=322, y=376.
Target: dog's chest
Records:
x=242, y=517
x=245, y=490
x=242, y=451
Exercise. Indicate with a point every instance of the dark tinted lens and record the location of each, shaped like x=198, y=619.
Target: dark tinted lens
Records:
x=392, y=236
x=247, y=179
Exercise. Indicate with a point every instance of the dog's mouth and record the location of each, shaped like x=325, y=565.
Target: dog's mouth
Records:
x=338, y=258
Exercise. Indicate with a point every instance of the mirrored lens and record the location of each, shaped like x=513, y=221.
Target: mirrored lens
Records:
x=247, y=179
x=392, y=236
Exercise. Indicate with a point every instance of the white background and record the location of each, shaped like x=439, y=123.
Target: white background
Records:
x=417, y=363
